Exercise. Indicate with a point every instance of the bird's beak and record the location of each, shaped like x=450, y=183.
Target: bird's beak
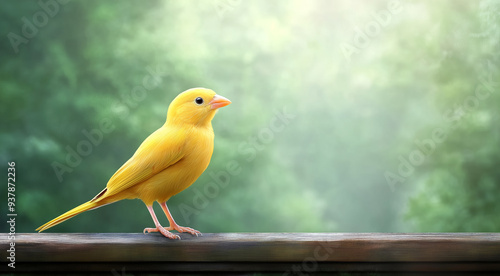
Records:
x=218, y=102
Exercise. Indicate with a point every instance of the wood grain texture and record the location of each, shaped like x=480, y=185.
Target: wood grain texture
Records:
x=257, y=252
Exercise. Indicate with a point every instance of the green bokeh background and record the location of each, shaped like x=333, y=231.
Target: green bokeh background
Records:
x=364, y=83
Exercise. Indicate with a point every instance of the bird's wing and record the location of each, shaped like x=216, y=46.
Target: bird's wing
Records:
x=160, y=150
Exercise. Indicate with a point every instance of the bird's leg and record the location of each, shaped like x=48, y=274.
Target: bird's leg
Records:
x=175, y=226
x=159, y=228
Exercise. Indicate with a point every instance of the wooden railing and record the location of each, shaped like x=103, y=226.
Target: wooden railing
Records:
x=287, y=253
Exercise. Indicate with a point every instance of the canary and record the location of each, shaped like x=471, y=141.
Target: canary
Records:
x=167, y=162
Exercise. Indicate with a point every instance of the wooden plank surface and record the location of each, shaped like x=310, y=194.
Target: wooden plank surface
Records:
x=257, y=251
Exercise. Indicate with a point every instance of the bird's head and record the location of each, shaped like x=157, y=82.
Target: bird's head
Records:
x=196, y=106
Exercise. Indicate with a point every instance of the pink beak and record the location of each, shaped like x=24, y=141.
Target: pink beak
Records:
x=218, y=102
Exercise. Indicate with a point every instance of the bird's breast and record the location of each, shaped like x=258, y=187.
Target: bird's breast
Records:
x=198, y=149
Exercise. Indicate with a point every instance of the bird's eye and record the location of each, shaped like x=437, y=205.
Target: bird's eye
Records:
x=198, y=100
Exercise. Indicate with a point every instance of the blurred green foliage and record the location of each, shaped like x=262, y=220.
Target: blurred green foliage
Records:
x=392, y=125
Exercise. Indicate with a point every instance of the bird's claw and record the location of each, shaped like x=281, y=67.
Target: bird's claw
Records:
x=163, y=231
x=149, y=230
x=182, y=229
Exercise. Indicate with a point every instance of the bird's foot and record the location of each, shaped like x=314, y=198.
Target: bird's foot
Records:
x=182, y=229
x=164, y=231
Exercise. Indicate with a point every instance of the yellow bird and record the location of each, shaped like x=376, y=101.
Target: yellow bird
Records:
x=167, y=162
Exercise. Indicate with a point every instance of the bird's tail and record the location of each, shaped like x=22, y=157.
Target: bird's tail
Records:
x=71, y=213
